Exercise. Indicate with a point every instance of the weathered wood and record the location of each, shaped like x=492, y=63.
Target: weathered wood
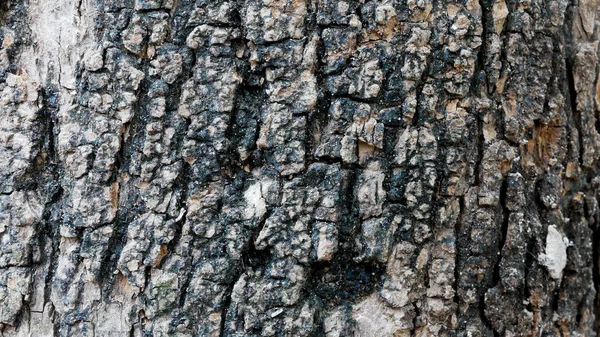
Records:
x=299, y=168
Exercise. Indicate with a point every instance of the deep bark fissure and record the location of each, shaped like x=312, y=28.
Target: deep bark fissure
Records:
x=572, y=99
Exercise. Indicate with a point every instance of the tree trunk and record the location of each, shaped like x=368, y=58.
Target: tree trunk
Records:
x=299, y=168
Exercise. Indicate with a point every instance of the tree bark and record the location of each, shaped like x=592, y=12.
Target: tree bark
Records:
x=299, y=168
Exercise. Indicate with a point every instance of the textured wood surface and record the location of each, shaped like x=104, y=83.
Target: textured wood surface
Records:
x=299, y=168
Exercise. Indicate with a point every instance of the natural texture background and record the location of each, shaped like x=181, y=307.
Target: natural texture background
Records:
x=299, y=168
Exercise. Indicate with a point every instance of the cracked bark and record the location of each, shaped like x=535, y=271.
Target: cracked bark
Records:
x=299, y=168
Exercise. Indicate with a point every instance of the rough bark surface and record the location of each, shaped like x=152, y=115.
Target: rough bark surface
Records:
x=299, y=168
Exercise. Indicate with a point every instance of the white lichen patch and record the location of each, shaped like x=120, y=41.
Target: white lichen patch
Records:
x=373, y=318
x=555, y=258
x=255, y=202
x=63, y=31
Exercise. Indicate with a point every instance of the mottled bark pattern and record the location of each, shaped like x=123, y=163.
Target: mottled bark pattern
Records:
x=299, y=168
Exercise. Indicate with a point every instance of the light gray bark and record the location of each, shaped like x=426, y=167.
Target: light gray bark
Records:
x=299, y=168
